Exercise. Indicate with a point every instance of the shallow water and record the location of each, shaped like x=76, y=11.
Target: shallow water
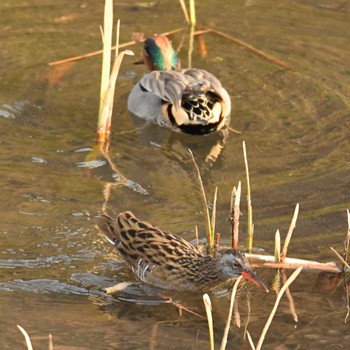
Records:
x=54, y=264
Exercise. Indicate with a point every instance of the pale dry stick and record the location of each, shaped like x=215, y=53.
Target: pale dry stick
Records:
x=50, y=342
x=26, y=337
x=268, y=261
x=250, y=340
x=205, y=205
x=249, y=204
x=184, y=10
x=277, y=245
x=345, y=264
x=252, y=49
x=190, y=47
x=98, y=52
x=213, y=214
x=232, y=214
x=197, y=236
x=290, y=232
x=292, y=277
x=290, y=299
x=207, y=305
x=229, y=316
x=236, y=215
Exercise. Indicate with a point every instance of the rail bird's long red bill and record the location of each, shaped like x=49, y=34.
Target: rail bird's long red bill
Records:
x=249, y=275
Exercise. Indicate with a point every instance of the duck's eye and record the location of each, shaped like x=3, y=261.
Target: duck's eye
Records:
x=236, y=264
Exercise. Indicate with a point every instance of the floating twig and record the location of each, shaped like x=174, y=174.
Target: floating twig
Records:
x=292, y=277
x=252, y=49
x=99, y=52
x=268, y=261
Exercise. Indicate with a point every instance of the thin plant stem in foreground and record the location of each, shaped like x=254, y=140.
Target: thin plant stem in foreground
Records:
x=207, y=305
x=250, y=230
x=235, y=214
x=184, y=10
x=290, y=232
x=229, y=316
x=210, y=247
x=277, y=246
x=26, y=337
x=292, y=277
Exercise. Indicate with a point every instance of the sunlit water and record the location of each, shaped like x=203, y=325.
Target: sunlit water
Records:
x=54, y=263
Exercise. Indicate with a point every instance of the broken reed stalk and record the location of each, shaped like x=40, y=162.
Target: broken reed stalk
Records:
x=277, y=246
x=290, y=232
x=210, y=239
x=250, y=231
x=104, y=124
x=235, y=214
x=213, y=214
x=292, y=277
x=229, y=316
x=207, y=305
x=344, y=262
x=26, y=337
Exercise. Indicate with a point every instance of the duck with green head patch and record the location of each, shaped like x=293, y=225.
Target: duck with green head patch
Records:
x=192, y=100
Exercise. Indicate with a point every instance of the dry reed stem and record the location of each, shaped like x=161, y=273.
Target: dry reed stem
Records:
x=347, y=239
x=192, y=13
x=252, y=49
x=237, y=314
x=277, y=246
x=26, y=337
x=107, y=108
x=229, y=316
x=250, y=340
x=290, y=299
x=207, y=305
x=292, y=277
x=290, y=232
x=236, y=212
x=106, y=52
x=184, y=10
x=250, y=230
x=98, y=52
x=197, y=236
x=210, y=245
x=345, y=264
x=213, y=214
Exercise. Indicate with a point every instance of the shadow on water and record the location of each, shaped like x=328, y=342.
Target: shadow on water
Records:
x=54, y=264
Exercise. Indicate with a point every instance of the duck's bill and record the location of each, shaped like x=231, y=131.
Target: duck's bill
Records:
x=249, y=275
